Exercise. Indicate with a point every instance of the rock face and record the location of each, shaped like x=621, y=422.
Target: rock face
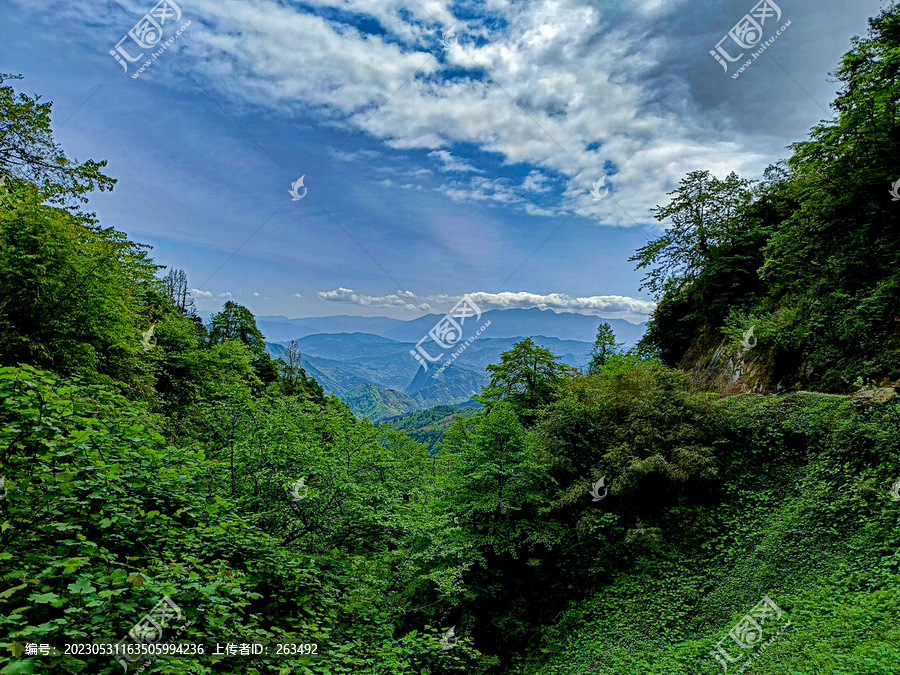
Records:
x=713, y=361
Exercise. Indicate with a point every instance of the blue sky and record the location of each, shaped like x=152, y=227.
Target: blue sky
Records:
x=433, y=170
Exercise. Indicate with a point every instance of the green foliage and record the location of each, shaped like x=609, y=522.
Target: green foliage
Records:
x=605, y=346
x=376, y=403
x=803, y=515
x=29, y=154
x=88, y=477
x=235, y=322
x=707, y=223
x=73, y=294
x=429, y=426
x=197, y=468
x=526, y=376
x=813, y=253
x=641, y=426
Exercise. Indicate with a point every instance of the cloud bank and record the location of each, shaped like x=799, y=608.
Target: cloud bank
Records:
x=607, y=306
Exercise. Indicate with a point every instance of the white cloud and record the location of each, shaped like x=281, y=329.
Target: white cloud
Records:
x=561, y=76
x=296, y=295
x=608, y=306
x=533, y=210
x=481, y=189
x=402, y=299
x=197, y=293
x=451, y=163
x=356, y=156
x=611, y=306
x=536, y=182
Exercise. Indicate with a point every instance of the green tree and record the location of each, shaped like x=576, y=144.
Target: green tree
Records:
x=74, y=296
x=643, y=426
x=236, y=322
x=29, y=152
x=604, y=346
x=497, y=494
x=526, y=376
x=705, y=214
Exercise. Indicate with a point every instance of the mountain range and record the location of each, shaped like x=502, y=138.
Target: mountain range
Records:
x=366, y=361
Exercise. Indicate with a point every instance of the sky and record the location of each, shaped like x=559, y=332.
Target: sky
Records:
x=513, y=150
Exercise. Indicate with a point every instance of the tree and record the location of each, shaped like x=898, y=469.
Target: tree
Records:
x=705, y=213
x=645, y=427
x=294, y=379
x=29, y=152
x=177, y=289
x=73, y=295
x=236, y=322
x=604, y=346
x=526, y=376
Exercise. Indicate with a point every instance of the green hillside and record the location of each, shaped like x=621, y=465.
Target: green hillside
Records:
x=800, y=511
x=377, y=404
x=805, y=263
x=617, y=518
x=429, y=426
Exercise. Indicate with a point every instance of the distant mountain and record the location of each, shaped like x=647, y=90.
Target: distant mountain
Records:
x=505, y=323
x=377, y=404
x=428, y=426
x=378, y=377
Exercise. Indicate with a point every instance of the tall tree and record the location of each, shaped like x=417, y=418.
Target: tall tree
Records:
x=526, y=376
x=29, y=152
x=705, y=213
x=294, y=379
x=177, y=289
x=604, y=346
x=236, y=322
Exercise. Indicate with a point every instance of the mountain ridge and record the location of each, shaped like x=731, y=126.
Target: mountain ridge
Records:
x=505, y=323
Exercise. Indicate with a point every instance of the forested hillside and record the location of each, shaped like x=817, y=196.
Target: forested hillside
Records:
x=620, y=518
x=809, y=258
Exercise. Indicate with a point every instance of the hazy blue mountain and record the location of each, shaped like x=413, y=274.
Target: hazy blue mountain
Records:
x=505, y=323
x=373, y=371
x=379, y=378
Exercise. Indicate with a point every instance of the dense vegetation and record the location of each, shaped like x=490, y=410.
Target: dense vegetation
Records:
x=184, y=462
x=429, y=426
x=810, y=257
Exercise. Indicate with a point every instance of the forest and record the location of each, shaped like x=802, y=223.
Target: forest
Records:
x=623, y=518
